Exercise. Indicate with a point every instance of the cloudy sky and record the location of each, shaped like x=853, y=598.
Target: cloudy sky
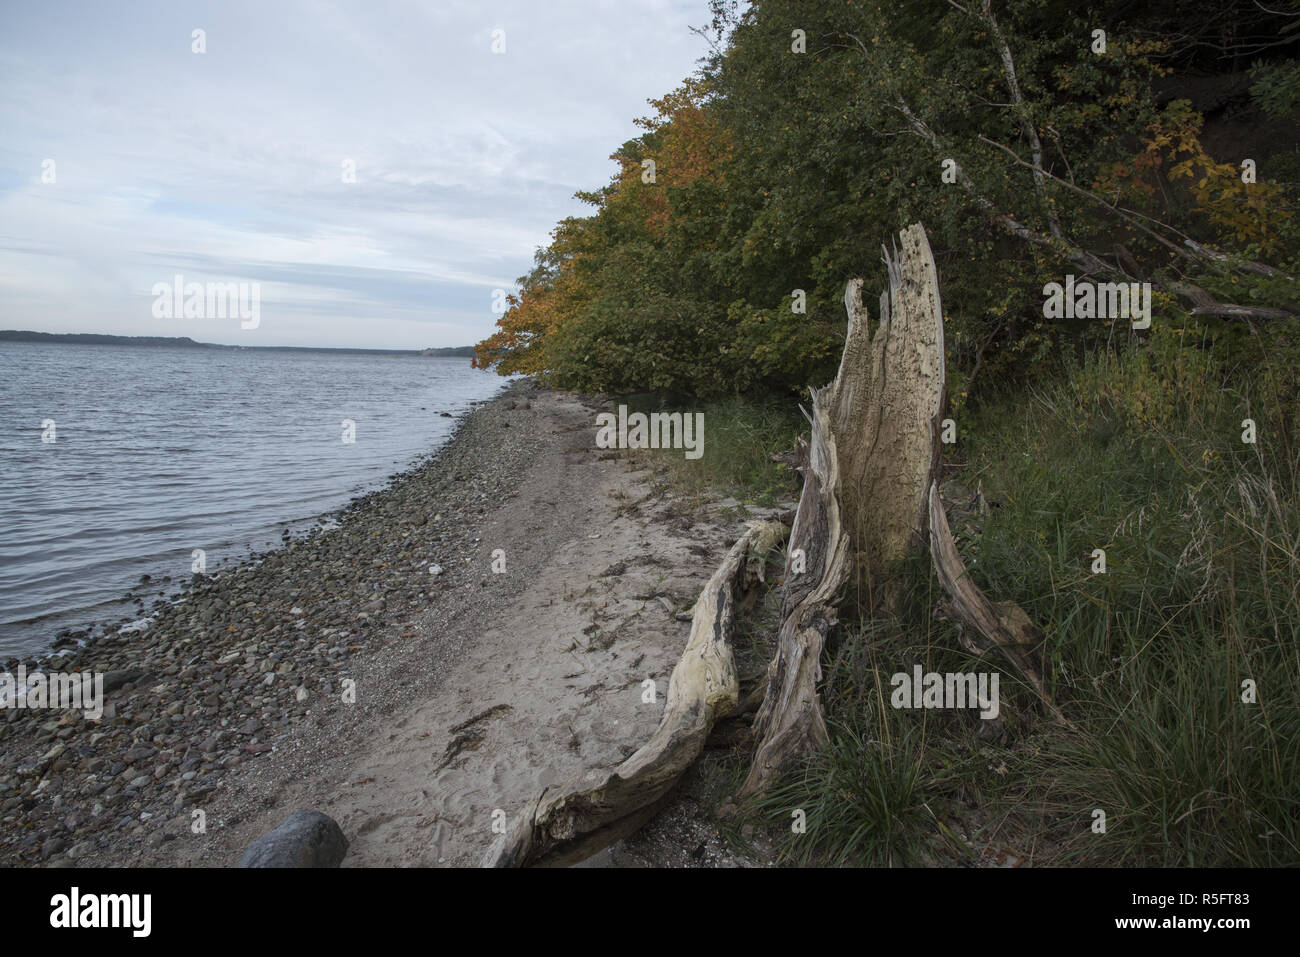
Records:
x=228, y=165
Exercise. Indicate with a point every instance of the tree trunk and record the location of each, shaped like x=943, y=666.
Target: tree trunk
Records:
x=873, y=453
x=884, y=410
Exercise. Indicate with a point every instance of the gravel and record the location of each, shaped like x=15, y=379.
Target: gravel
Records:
x=236, y=661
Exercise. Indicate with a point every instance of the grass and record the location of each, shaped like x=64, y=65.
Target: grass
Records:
x=740, y=438
x=1202, y=539
x=1140, y=455
x=894, y=786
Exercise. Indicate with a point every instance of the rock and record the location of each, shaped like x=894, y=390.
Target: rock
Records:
x=54, y=752
x=305, y=839
x=116, y=679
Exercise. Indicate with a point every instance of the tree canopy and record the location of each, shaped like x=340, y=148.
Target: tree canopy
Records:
x=1033, y=138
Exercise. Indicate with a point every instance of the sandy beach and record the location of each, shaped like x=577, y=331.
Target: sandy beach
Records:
x=478, y=630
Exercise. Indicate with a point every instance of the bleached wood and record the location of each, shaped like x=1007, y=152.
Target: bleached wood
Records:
x=571, y=822
x=872, y=453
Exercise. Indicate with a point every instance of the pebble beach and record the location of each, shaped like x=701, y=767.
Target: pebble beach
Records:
x=230, y=663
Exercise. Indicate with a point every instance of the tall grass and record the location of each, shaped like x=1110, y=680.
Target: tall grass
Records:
x=1140, y=454
x=741, y=436
x=880, y=793
x=1198, y=603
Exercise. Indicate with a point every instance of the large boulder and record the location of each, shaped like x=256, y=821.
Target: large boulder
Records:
x=305, y=839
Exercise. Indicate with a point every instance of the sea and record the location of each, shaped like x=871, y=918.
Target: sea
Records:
x=121, y=461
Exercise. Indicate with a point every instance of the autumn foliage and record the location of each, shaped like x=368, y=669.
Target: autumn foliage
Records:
x=714, y=261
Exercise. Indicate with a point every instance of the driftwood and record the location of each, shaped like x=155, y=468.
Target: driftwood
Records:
x=569, y=823
x=790, y=717
x=873, y=452
x=1002, y=625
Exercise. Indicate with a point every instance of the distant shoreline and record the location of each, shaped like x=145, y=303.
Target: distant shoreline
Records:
x=185, y=342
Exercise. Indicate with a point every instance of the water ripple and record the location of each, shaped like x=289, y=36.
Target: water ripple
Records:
x=161, y=451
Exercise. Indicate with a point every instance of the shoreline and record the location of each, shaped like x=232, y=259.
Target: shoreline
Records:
x=223, y=679
x=86, y=631
x=337, y=673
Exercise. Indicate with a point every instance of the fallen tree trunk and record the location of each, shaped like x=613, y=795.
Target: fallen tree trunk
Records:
x=574, y=821
x=873, y=452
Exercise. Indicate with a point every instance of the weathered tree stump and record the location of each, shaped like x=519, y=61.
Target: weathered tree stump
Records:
x=872, y=454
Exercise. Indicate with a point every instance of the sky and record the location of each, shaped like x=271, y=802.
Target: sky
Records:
x=128, y=159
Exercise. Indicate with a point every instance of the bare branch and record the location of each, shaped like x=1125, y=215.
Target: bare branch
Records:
x=1199, y=253
x=1121, y=213
x=1021, y=111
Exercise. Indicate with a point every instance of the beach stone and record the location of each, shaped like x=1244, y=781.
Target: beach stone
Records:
x=304, y=839
x=116, y=679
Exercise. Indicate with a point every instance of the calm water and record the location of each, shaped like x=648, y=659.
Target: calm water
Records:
x=161, y=451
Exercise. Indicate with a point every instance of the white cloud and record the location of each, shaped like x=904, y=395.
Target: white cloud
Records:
x=227, y=165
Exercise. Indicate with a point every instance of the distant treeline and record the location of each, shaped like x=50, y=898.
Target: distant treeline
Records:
x=95, y=339
x=450, y=352
x=185, y=342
